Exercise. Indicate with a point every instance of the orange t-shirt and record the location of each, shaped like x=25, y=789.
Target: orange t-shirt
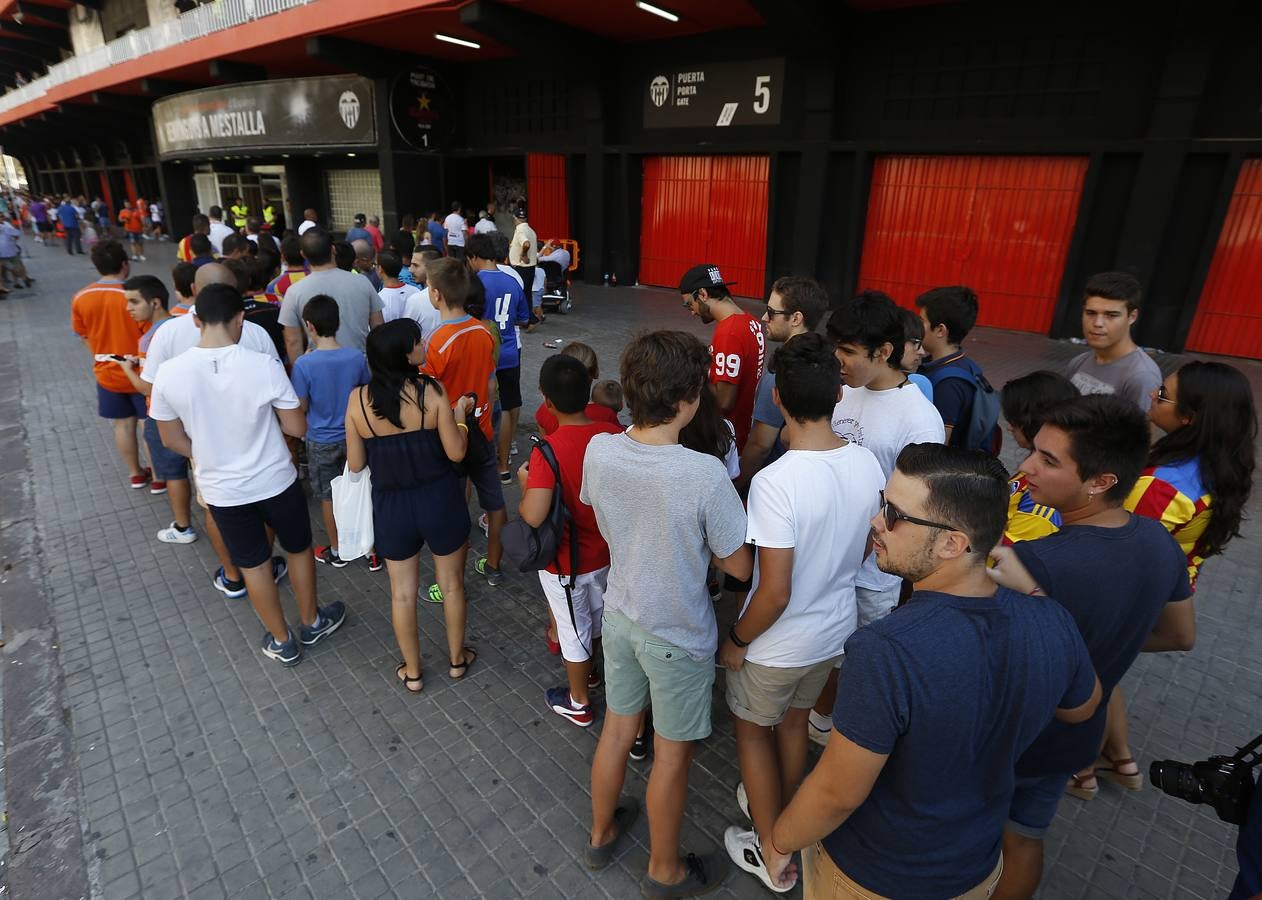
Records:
x=460, y=357
x=131, y=220
x=99, y=314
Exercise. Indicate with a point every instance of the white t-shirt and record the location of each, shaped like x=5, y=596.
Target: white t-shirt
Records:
x=523, y=233
x=181, y=334
x=484, y=226
x=219, y=231
x=455, y=226
x=255, y=238
x=560, y=255
x=306, y=226
x=394, y=300
x=885, y=422
x=225, y=396
x=733, y=459
x=421, y=311
x=818, y=502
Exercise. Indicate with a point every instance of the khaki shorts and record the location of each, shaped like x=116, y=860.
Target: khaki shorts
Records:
x=641, y=668
x=822, y=880
x=763, y=694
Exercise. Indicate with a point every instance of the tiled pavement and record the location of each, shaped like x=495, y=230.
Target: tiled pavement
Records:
x=207, y=771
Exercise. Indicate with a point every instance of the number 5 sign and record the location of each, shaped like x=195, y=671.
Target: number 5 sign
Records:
x=714, y=95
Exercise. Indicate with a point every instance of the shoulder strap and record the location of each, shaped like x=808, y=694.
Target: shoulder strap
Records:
x=367, y=420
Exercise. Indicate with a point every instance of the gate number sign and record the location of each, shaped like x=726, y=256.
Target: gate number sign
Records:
x=715, y=95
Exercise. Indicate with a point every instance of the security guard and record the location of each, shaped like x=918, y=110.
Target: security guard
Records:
x=240, y=212
x=269, y=216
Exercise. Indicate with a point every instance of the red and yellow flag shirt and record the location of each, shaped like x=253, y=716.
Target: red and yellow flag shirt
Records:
x=1175, y=495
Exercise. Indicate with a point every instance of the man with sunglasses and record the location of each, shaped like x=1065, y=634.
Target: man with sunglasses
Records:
x=737, y=348
x=937, y=701
x=795, y=307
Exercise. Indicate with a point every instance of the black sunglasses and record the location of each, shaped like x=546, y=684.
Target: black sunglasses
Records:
x=772, y=312
x=893, y=515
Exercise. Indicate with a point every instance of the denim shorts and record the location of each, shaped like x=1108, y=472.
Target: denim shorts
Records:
x=640, y=668
x=324, y=463
x=167, y=464
x=1034, y=802
x=119, y=405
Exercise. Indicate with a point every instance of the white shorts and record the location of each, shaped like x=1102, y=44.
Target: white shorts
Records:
x=588, y=596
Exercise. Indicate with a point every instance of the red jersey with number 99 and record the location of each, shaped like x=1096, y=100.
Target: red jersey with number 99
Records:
x=737, y=351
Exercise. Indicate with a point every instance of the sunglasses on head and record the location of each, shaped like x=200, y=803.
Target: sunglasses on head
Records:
x=892, y=515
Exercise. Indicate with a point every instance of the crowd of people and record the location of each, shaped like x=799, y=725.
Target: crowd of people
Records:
x=953, y=634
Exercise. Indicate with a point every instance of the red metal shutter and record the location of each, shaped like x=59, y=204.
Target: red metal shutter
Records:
x=547, y=195
x=1000, y=224
x=710, y=209
x=1229, y=314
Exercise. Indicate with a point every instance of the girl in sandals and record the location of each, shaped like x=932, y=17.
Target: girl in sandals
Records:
x=402, y=426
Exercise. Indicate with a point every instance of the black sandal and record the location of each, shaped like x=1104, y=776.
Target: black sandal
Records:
x=463, y=667
x=401, y=674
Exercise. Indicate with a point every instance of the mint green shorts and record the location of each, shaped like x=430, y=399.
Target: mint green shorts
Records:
x=641, y=669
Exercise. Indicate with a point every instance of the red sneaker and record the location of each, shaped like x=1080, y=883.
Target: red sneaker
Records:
x=374, y=563
x=594, y=681
x=139, y=481
x=553, y=646
x=157, y=487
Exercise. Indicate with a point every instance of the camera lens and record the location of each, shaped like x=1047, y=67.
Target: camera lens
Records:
x=1176, y=779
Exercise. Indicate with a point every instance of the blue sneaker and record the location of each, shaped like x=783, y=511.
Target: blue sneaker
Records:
x=280, y=568
x=287, y=654
x=328, y=620
x=561, y=703
x=233, y=590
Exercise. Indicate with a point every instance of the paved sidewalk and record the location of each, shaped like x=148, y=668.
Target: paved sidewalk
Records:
x=207, y=771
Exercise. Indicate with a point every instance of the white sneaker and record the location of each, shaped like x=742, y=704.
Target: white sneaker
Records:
x=742, y=846
x=173, y=535
x=819, y=728
x=142, y=259
x=512, y=451
x=742, y=800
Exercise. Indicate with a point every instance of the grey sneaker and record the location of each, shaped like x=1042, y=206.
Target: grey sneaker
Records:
x=702, y=874
x=287, y=654
x=493, y=575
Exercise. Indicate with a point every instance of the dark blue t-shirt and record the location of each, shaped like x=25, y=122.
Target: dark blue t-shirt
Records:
x=952, y=395
x=1114, y=582
x=1249, y=852
x=325, y=379
x=506, y=304
x=952, y=689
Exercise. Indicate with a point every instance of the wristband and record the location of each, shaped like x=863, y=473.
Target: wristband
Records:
x=464, y=426
x=735, y=639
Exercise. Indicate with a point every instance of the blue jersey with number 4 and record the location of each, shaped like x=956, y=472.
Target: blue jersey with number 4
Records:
x=506, y=304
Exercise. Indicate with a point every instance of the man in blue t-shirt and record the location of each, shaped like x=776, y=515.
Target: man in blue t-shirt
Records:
x=506, y=303
x=437, y=233
x=69, y=218
x=937, y=700
x=949, y=314
x=323, y=379
x=1086, y=458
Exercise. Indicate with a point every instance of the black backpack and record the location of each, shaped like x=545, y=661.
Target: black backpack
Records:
x=530, y=548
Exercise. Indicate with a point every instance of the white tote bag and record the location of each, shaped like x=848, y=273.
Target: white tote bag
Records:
x=352, y=511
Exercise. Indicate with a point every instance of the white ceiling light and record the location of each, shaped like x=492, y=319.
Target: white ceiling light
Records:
x=459, y=41
x=657, y=11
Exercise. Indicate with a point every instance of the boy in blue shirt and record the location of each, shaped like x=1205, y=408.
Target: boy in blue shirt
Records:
x=323, y=380
x=507, y=304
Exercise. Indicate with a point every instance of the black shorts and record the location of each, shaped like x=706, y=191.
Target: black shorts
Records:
x=44, y=227
x=455, y=251
x=486, y=481
x=243, y=528
x=509, y=381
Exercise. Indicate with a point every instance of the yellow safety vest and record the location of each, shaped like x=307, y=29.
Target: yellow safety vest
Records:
x=269, y=215
x=238, y=215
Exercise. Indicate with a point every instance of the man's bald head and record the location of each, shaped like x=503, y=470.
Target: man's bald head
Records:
x=363, y=248
x=213, y=273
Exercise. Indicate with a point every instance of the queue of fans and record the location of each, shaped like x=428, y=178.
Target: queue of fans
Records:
x=952, y=633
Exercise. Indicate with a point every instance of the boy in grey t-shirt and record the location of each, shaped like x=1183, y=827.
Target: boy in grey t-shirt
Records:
x=1115, y=364
x=664, y=511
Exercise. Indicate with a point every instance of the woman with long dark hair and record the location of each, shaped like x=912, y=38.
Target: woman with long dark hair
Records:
x=1197, y=482
x=710, y=433
x=403, y=427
